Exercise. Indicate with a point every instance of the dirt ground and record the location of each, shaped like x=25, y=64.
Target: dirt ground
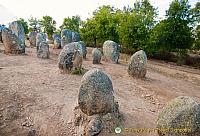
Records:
x=36, y=99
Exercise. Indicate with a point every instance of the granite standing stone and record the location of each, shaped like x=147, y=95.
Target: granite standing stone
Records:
x=32, y=38
x=76, y=37
x=84, y=49
x=43, y=50
x=96, y=93
x=111, y=51
x=57, y=43
x=71, y=57
x=137, y=66
x=66, y=37
x=40, y=38
x=96, y=55
x=12, y=43
x=181, y=116
x=18, y=30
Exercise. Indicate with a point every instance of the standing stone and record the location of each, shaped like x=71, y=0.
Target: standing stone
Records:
x=96, y=93
x=97, y=112
x=84, y=49
x=40, y=38
x=66, y=37
x=111, y=51
x=71, y=57
x=96, y=55
x=32, y=38
x=76, y=37
x=18, y=30
x=43, y=50
x=55, y=36
x=12, y=43
x=57, y=43
x=137, y=66
x=180, y=113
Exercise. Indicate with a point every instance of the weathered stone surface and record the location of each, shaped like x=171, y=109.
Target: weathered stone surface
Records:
x=96, y=93
x=57, y=43
x=66, y=37
x=97, y=112
x=71, y=57
x=40, y=38
x=137, y=66
x=96, y=55
x=32, y=38
x=12, y=43
x=55, y=36
x=18, y=30
x=111, y=51
x=76, y=37
x=180, y=113
x=43, y=50
x=84, y=49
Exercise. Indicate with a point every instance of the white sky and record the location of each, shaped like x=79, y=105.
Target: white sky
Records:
x=59, y=9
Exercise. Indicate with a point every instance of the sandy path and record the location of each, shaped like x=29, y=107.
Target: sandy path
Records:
x=36, y=99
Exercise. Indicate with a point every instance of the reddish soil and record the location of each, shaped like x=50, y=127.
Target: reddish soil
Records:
x=36, y=99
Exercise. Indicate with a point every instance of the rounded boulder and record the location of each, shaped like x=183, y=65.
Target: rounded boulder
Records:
x=181, y=116
x=96, y=55
x=111, y=51
x=96, y=93
x=71, y=57
x=137, y=66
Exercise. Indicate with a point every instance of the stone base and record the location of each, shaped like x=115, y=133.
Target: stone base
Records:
x=84, y=125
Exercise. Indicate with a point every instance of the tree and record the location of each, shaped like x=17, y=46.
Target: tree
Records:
x=33, y=23
x=135, y=25
x=196, y=45
x=48, y=25
x=173, y=33
x=102, y=26
x=73, y=23
x=89, y=32
x=24, y=24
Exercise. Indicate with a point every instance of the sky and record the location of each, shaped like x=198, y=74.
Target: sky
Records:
x=11, y=10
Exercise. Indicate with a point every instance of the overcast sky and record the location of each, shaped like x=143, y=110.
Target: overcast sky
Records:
x=59, y=9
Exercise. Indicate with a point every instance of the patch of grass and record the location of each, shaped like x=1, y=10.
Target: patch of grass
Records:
x=79, y=71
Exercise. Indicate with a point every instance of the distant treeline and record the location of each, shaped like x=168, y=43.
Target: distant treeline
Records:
x=134, y=28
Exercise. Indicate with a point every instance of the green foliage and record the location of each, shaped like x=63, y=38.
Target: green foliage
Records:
x=130, y=27
x=24, y=24
x=33, y=23
x=48, y=25
x=73, y=23
x=196, y=45
x=173, y=33
x=101, y=27
x=89, y=32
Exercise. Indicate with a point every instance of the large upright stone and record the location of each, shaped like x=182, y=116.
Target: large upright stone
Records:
x=18, y=30
x=55, y=36
x=137, y=66
x=96, y=55
x=40, y=38
x=97, y=111
x=181, y=117
x=71, y=57
x=76, y=37
x=32, y=38
x=96, y=93
x=43, y=50
x=57, y=43
x=111, y=51
x=66, y=37
x=12, y=43
x=84, y=49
